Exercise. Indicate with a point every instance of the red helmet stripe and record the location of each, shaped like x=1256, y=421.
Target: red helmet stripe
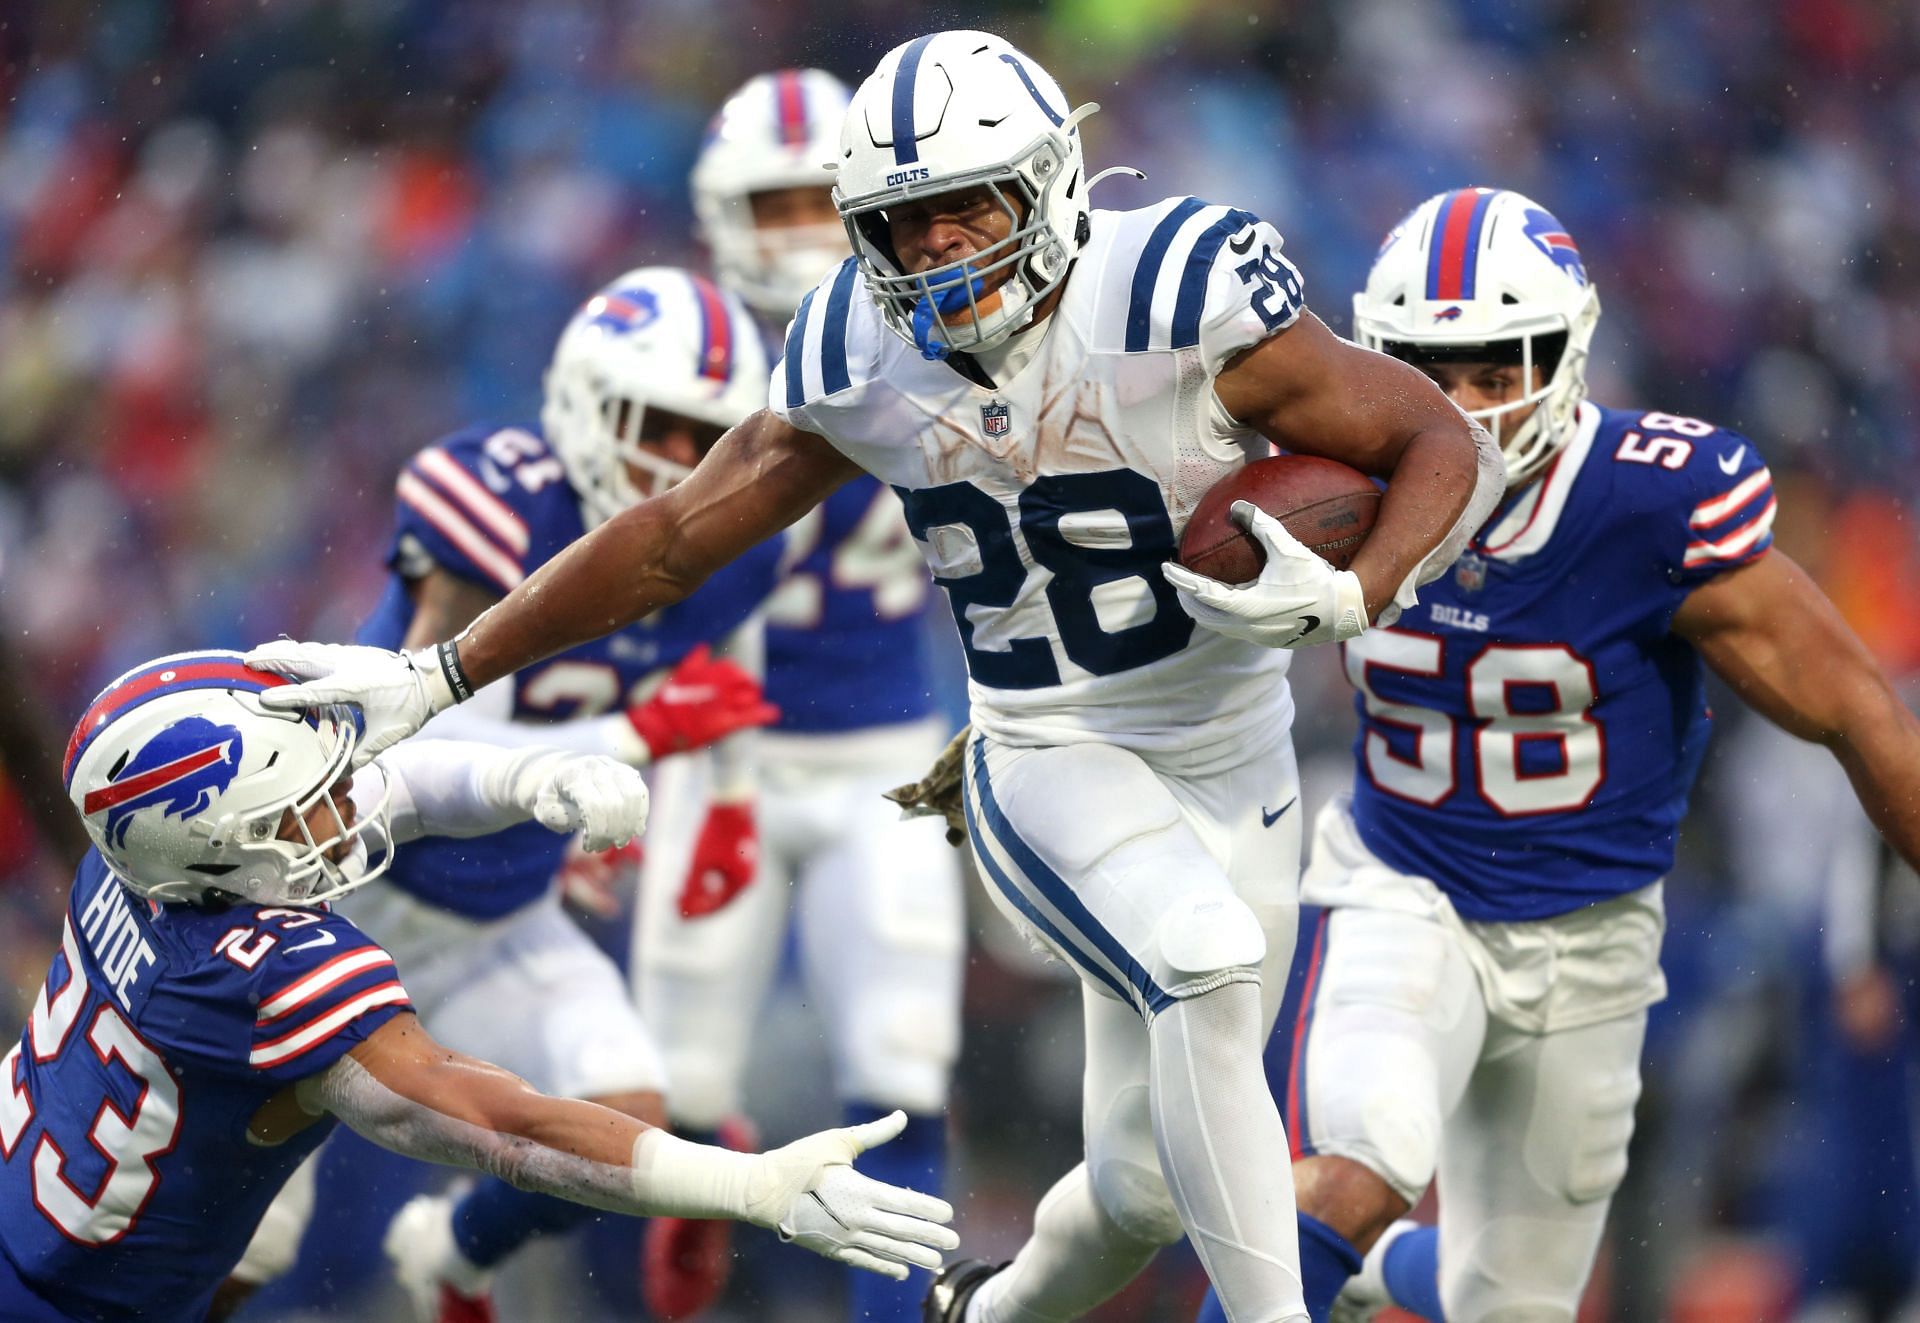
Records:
x=716, y=332
x=133, y=692
x=792, y=97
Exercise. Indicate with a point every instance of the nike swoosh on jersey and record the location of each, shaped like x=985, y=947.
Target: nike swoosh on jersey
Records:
x=1730, y=463
x=1268, y=819
x=326, y=938
x=1244, y=244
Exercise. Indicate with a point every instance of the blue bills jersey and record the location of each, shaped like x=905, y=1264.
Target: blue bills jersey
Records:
x=1529, y=732
x=492, y=505
x=846, y=633
x=128, y=1187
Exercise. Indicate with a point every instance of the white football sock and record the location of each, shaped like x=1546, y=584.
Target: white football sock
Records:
x=1075, y=1259
x=1224, y=1152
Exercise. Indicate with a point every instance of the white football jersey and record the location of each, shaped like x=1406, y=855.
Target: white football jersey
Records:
x=1046, y=506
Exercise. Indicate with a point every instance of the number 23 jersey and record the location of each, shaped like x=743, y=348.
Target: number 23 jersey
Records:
x=1046, y=504
x=1530, y=732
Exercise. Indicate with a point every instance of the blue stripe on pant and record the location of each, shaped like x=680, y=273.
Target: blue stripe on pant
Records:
x=1055, y=891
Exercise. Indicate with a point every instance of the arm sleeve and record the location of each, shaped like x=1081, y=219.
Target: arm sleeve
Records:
x=458, y=788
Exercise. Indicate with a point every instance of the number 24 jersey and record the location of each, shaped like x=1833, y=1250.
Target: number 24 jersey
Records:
x=1530, y=732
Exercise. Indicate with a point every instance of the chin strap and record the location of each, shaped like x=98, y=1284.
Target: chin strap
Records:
x=955, y=297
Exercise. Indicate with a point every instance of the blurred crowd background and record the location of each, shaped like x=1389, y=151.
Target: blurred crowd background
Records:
x=255, y=252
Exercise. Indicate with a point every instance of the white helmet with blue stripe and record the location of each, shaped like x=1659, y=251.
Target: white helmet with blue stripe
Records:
x=191, y=789
x=1480, y=274
x=779, y=130
x=960, y=110
x=656, y=338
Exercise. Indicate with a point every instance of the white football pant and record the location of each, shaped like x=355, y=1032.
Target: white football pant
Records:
x=1503, y=1057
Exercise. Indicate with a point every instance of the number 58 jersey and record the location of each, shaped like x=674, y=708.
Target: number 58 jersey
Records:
x=1045, y=504
x=1530, y=732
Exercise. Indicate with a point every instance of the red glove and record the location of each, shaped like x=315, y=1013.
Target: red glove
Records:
x=702, y=701
x=595, y=882
x=725, y=859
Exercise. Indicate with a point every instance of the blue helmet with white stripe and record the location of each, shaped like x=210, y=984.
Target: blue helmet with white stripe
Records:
x=655, y=338
x=779, y=130
x=1487, y=274
x=951, y=111
x=189, y=787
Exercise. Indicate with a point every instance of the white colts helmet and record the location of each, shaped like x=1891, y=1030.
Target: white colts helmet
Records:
x=656, y=338
x=960, y=110
x=1480, y=274
x=780, y=130
x=183, y=781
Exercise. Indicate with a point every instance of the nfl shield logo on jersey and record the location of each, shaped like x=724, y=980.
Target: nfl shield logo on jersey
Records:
x=995, y=419
x=1470, y=572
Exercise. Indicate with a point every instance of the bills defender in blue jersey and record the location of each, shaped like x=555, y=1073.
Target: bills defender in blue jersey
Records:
x=644, y=378
x=1529, y=735
x=207, y=1016
x=881, y=920
x=1051, y=388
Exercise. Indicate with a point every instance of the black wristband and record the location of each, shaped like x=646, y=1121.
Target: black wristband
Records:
x=455, y=673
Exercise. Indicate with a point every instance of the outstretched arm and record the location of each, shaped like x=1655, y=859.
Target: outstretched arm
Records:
x=1768, y=631
x=1312, y=393
x=406, y=1092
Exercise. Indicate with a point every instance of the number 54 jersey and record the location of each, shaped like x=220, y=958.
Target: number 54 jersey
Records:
x=1530, y=732
x=1046, y=503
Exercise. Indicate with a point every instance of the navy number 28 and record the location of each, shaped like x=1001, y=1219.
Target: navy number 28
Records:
x=1076, y=567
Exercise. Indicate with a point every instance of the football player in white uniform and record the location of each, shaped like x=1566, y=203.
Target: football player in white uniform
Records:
x=1053, y=389
x=1528, y=740
x=881, y=918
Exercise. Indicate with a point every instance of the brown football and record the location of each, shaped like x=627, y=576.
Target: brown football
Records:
x=1325, y=504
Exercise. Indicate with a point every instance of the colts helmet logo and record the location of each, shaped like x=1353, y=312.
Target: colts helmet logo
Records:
x=996, y=419
x=623, y=310
x=1551, y=238
x=181, y=769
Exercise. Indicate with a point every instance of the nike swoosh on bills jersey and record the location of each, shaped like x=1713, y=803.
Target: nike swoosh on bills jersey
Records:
x=318, y=939
x=1729, y=464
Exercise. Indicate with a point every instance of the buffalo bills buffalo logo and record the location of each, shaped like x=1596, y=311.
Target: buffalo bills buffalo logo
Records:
x=180, y=770
x=1448, y=314
x=623, y=310
x=1551, y=238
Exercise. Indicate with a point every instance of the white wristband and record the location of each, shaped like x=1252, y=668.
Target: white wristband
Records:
x=674, y=1178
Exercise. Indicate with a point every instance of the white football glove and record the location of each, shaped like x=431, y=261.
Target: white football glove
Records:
x=601, y=798
x=810, y=1193
x=396, y=692
x=1298, y=599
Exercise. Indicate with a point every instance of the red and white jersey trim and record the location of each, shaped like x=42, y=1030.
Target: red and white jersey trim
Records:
x=508, y=528
x=1737, y=544
x=310, y=1035
x=457, y=529
x=1708, y=513
x=330, y=975
x=1529, y=525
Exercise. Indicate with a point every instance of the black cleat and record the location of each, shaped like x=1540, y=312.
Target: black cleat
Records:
x=953, y=1286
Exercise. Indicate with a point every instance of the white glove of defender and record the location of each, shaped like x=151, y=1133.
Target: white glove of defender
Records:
x=601, y=798
x=396, y=692
x=810, y=1193
x=1298, y=599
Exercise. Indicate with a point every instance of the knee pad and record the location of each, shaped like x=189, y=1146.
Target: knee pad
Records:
x=1205, y=941
x=1595, y=1155
x=1137, y=1200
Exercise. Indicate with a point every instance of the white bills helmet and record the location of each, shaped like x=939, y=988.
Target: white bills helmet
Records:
x=959, y=110
x=1485, y=274
x=184, y=781
x=658, y=338
x=780, y=130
